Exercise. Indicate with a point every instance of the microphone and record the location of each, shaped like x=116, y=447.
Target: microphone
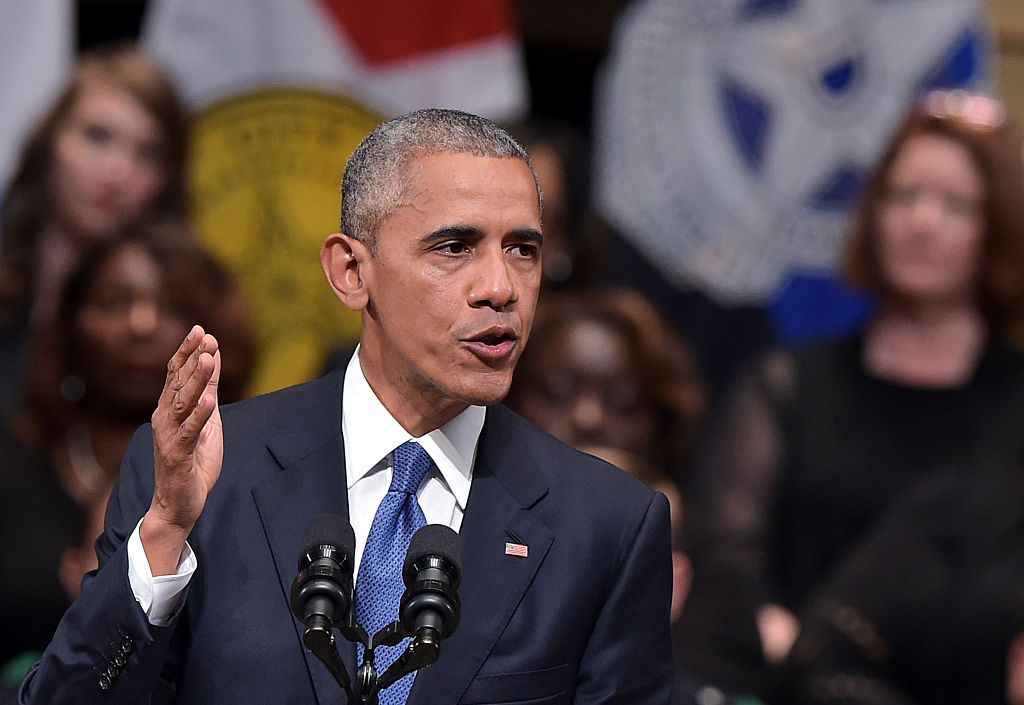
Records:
x=322, y=591
x=430, y=607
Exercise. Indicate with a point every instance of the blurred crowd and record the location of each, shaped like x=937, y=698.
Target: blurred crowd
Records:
x=847, y=514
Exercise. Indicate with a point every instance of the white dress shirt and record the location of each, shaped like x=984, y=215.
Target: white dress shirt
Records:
x=371, y=433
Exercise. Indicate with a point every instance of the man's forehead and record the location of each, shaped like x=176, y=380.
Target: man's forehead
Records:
x=428, y=159
x=454, y=170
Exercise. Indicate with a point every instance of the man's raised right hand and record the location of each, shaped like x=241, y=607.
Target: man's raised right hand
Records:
x=188, y=449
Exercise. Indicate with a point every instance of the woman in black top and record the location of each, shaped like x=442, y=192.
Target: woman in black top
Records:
x=817, y=443
x=925, y=610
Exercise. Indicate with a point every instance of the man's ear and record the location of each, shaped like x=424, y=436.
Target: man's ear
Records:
x=345, y=261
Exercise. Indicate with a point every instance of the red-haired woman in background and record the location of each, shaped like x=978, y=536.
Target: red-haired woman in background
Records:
x=818, y=442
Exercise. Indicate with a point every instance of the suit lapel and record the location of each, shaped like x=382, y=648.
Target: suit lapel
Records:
x=506, y=483
x=311, y=455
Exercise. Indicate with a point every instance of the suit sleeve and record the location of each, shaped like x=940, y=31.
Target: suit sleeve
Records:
x=628, y=658
x=104, y=649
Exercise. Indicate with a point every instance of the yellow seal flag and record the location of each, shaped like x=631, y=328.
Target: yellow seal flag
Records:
x=265, y=177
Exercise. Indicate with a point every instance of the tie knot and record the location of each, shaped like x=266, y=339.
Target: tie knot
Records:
x=411, y=464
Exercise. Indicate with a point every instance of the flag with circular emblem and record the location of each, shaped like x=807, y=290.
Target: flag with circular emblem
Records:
x=732, y=138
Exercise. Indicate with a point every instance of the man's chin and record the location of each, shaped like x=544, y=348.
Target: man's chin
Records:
x=486, y=390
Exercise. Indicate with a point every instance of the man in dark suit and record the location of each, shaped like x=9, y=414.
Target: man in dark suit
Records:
x=566, y=572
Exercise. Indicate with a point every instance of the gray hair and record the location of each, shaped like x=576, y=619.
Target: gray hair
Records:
x=376, y=175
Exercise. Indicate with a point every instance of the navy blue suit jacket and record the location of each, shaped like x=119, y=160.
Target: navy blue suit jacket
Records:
x=583, y=618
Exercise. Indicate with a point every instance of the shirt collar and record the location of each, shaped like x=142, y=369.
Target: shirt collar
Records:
x=371, y=433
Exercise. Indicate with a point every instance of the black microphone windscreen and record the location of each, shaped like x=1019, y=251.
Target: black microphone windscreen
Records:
x=434, y=540
x=332, y=530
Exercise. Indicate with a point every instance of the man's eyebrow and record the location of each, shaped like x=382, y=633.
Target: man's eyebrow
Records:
x=458, y=232
x=529, y=234
x=463, y=232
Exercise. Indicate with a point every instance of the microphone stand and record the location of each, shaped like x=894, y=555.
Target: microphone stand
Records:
x=421, y=651
x=319, y=639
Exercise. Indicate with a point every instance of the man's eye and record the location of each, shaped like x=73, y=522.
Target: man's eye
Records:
x=453, y=248
x=525, y=249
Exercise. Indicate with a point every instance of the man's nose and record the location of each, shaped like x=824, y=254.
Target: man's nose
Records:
x=494, y=286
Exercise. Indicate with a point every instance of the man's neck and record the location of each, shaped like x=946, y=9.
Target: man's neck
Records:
x=419, y=412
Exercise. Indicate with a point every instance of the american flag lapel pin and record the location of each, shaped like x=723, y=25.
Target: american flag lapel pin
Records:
x=519, y=550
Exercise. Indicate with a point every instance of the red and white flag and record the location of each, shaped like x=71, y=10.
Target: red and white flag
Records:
x=392, y=56
x=518, y=550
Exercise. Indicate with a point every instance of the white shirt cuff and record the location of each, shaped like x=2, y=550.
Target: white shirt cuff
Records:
x=158, y=596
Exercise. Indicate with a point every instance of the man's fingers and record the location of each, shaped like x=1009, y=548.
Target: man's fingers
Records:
x=204, y=385
x=192, y=426
x=189, y=396
x=176, y=365
x=215, y=378
x=193, y=378
x=184, y=399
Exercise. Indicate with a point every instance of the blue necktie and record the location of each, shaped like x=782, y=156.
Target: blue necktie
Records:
x=379, y=586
